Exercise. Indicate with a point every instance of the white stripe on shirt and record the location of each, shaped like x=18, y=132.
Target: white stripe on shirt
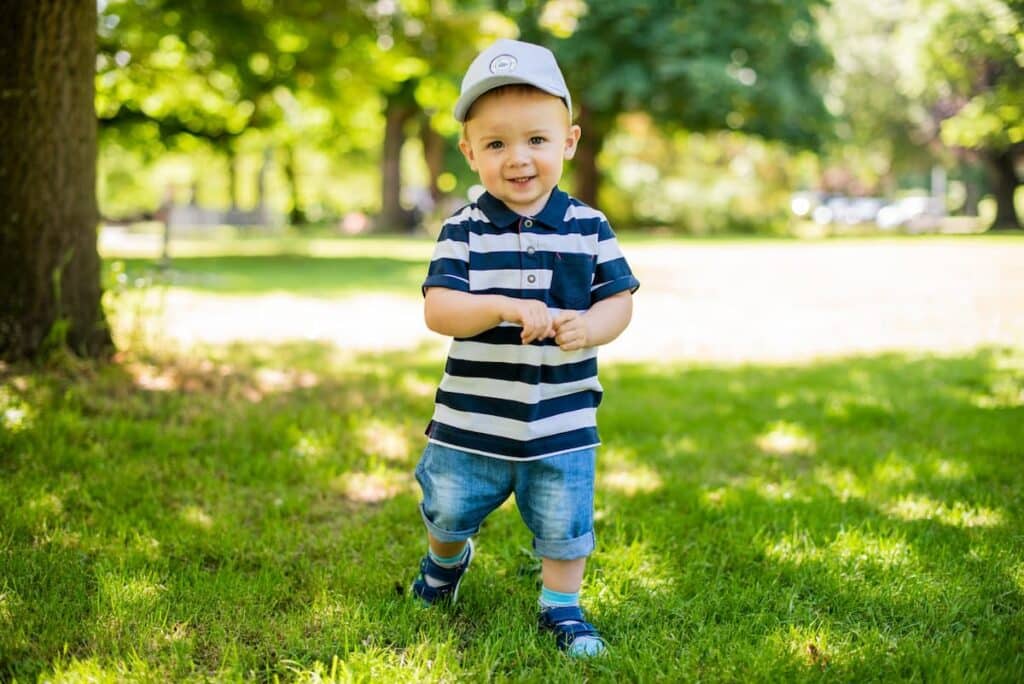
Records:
x=573, y=243
x=468, y=213
x=510, y=428
x=523, y=392
x=608, y=250
x=451, y=249
x=577, y=211
x=510, y=279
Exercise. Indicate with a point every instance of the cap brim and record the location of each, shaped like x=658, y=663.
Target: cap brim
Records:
x=467, y=98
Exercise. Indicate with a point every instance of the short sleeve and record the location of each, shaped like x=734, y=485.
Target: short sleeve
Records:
x=449, y=266
x=612, y=274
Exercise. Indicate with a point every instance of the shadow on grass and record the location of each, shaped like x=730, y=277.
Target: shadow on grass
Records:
x=304, y=275
x=253, y=512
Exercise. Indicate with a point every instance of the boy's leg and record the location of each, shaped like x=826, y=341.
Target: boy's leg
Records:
x=459, y=490
x=555, y=496
x=560, y=609
x=563, y=576
x=445, y=549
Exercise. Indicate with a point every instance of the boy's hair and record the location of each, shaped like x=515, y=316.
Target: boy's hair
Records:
x=507, y=89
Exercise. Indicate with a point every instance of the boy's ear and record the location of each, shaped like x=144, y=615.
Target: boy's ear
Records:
x=572, y=140
x=467, y=152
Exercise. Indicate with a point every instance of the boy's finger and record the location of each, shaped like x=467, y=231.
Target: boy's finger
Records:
x=563, y=318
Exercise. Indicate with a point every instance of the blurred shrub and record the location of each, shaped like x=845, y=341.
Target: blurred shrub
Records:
x=699, y=184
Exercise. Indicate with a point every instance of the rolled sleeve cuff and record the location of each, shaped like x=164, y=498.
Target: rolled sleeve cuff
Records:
x=614, y=287
x=446, y=281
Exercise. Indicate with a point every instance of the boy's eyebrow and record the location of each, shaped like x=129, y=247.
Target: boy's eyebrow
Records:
x=490, y=135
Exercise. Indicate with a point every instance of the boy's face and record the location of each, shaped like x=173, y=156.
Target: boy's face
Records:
x=516, y=141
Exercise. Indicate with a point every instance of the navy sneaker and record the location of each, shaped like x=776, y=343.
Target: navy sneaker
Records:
x=573, y=634
x=452, y=577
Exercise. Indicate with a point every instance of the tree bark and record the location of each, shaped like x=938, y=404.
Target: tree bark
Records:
x=296, y=216
x=433, y=155
x=400, y=108
x=232, y=157
x=1004, y=180
x=588, y=175
x=49, y=265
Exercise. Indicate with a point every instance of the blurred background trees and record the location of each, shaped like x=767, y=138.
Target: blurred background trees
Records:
x=698, y=117
x=345, y=107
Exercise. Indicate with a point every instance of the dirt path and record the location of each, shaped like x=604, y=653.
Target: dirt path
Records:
x=773, y=301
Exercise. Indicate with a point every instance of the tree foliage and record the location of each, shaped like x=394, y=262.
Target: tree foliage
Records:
x=753, y=67
x=973, y=75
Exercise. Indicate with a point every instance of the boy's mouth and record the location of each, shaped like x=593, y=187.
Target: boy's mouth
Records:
x=521, y=180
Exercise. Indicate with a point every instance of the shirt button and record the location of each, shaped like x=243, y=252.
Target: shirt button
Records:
x=531, y=278
x=530, y=250
x=528, y=223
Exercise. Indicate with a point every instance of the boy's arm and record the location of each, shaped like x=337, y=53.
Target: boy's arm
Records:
x=600, y=325
x=462, y=314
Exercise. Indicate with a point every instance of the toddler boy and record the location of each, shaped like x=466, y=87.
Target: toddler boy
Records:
x=529, y=282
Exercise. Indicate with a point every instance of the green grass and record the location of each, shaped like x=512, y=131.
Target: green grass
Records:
x=323, y=277
x=250, y=513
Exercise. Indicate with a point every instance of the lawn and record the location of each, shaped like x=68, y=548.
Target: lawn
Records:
x=247, y=511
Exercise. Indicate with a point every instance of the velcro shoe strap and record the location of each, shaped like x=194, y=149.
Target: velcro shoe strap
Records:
x=446, y=575
x=430, y=594
x=553, y=616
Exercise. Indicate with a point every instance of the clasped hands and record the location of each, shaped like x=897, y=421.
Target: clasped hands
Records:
x=569, y=328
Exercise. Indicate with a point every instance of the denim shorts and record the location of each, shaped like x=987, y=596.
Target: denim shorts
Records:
x=555, y=496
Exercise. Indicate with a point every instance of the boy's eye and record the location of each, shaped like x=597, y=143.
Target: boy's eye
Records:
x=538, y=140
x=494, y=145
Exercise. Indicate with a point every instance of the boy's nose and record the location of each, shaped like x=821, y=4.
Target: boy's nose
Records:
x=518, y=156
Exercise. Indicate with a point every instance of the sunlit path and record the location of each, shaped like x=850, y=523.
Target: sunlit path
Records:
x=774, y=301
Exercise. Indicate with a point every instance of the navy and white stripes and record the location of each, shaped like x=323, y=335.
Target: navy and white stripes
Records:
x=499, y=397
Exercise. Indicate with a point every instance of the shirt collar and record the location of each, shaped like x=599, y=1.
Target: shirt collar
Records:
x=552, y=215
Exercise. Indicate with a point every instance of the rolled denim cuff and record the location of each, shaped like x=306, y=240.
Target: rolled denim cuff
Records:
x=565, y=549
x=443, y=535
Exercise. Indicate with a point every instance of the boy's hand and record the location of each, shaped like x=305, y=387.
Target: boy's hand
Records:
x=571, y=331
x=533, y=315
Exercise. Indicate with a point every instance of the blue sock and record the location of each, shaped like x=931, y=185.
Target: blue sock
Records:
x=449, y=561
x=549, y=598
x=445, y=562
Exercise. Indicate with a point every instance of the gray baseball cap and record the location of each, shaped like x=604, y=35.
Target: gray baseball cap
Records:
x=511, y=61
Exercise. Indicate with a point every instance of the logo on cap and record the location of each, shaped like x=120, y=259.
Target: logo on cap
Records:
x=503, y=63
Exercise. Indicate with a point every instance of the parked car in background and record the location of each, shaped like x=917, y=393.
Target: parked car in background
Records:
x=915, y=213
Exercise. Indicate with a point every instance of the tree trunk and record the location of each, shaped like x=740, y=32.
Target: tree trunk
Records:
x=49, y=266
x=433, y=155
x=296, y=216
x=399, y=109
x=232, y=155
x=972, y=195
x=588, y=176
x=1003, y=178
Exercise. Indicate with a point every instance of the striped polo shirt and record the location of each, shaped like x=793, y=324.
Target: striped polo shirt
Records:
x=499, y=397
